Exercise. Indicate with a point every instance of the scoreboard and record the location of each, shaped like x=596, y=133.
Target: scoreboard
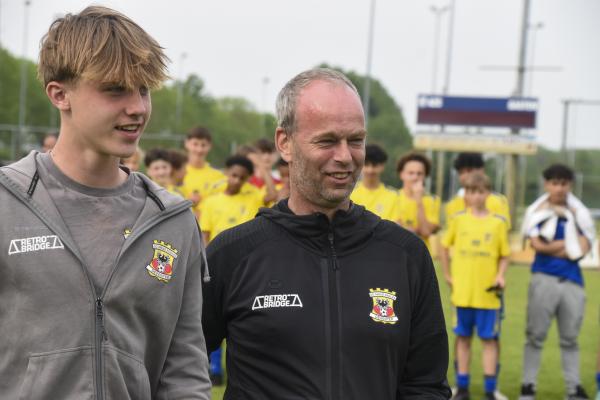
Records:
x=510, y=112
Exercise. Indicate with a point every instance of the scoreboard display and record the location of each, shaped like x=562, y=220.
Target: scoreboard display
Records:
x=510, y=112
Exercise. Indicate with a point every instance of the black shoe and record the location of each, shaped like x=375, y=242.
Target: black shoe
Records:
x=527, y=392
x=216, y=380
x=579, y=394
x=461, y=394
x=489, y=396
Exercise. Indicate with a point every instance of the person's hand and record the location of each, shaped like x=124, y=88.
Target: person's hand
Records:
x=418, y=190
x=500, y=282
x=195, y=198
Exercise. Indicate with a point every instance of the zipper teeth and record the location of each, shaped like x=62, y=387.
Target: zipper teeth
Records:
x=99, y=337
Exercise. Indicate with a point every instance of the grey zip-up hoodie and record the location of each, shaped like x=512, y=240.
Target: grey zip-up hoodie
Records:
x=141, y=338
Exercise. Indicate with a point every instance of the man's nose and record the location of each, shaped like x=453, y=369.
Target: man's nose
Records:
x=342, y=153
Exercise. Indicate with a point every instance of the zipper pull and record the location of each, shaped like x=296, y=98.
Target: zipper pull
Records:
x=333, y=253
x=100, y=317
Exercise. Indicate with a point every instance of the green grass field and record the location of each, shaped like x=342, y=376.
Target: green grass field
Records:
x=550, y=382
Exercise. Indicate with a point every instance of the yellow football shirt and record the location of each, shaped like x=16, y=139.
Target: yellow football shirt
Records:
x=200, y=180
x=495, y=203
x=222, y=211
x=407, y=208
x=381, y=201
x=477, y=244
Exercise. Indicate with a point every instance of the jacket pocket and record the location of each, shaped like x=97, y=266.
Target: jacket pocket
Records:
x=125, y=377
x=63, y=374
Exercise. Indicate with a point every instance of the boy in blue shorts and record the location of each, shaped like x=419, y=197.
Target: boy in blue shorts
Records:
x=479, y=243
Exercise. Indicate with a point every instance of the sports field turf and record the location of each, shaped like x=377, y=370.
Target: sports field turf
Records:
x=550, y=382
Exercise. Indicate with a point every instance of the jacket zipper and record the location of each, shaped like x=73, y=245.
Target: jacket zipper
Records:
x=100, y=336
x=336, y=364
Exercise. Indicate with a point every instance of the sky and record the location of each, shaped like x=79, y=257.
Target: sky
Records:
x=250, y=49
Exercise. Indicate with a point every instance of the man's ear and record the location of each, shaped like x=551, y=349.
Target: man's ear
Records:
x=57, y=93
x=283, y=143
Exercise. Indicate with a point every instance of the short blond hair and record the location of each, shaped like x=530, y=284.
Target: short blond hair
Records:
x=101, y=45
x=478, y=181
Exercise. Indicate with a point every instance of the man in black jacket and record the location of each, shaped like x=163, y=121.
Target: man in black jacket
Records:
x=317, y=297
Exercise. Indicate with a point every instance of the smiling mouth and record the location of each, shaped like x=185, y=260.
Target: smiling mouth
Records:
x=130, y=128
x=339, y=175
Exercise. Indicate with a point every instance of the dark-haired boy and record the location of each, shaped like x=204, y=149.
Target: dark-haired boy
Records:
x=103, y=296
x=561, y=231
x=158, y=166
x=200, y=177
x=370, y=192
x=466, y=164
x=479, y=241
x=263, y=159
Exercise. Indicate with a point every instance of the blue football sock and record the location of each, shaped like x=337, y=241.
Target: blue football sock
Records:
x=489, y=383
x=598, y=380
x=462, y=381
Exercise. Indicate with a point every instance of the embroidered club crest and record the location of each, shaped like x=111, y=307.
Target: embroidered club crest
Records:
x=161, y=266
x=383, y=306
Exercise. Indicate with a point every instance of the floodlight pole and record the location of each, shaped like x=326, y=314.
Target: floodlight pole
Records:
x=367, y=88
x=16, y=136
x=441, y=156
x=512, y=159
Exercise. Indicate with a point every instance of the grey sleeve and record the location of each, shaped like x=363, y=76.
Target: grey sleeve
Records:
x=185, y=372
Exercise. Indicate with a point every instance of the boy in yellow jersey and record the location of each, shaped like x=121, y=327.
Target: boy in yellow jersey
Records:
x=480, y=250
x=370, y=192
x=200, y=177
x=466, y=164
x=419, y=212
x=236, y=204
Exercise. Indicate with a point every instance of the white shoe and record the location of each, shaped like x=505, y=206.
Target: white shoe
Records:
x=500, y=396
x=598, y=395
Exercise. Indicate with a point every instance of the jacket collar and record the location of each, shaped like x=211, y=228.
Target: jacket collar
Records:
x=350, y=228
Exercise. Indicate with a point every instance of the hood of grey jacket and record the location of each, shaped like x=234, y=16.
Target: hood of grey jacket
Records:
x=139, y=338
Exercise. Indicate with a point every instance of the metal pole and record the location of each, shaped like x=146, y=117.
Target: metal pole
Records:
x=16, y=142
x=534, y=28
x=565, y=127
x=511, y=160
x=367, y=88
x=439, y=184
x=437, y=13
x=179, y=99
x=263, y=106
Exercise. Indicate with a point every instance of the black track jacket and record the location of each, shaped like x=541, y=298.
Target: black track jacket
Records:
x=347, y=310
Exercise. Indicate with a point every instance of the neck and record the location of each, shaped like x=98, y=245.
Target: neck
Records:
x=371, y=183
x=407, y=190
x=196, y=162
x=301, y=207
x=479, y=211
x=231, y=192
x=87, y=167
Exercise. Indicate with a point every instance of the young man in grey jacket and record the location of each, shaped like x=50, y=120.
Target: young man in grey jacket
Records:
x=101, y=290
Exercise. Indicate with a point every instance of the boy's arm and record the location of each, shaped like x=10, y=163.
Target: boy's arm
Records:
x=555, y=248
x=271, y=192
x=502, y=267
x=185, y=370
x=445, y=259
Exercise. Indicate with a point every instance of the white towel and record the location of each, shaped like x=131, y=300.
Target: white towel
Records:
x=540, y=220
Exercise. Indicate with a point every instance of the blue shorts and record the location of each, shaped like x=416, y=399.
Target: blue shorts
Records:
x=487, y=322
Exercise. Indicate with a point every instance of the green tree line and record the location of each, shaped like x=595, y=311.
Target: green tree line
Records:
x=181, y=105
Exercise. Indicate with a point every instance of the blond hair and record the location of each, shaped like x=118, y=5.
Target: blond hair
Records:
x=479, y=182
x=101, y=45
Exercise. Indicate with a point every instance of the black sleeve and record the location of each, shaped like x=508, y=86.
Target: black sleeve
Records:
x=424, y=377
x=213, y=321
